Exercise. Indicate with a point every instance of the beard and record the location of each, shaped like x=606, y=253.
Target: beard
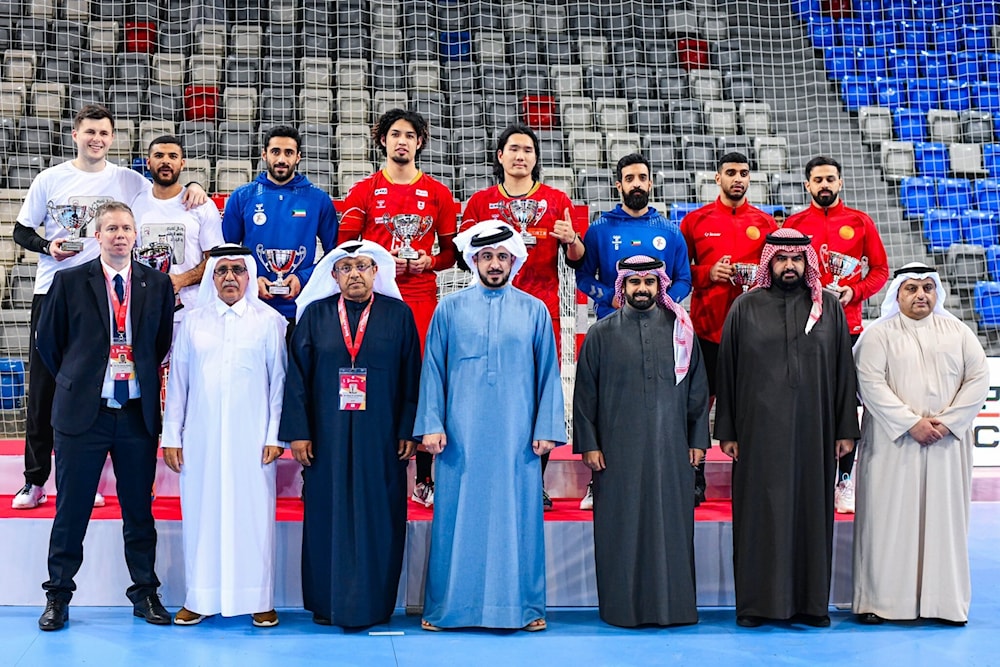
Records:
x=288, y=176
x=788, y=286
x=493, y=280
x=636, y=200
x=825, y=198
x=640, y=300
x=165, y=182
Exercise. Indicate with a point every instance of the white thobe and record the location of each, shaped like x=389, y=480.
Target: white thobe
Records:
x=223, y=407
x=911, y=554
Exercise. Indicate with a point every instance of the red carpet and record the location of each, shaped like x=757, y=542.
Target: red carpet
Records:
x=168, y=508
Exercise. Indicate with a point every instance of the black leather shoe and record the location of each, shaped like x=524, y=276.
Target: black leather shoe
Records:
x=870, y=619
x=815, y=621
x=320, y=620
x=150, y=609
x=954, y=624
x=748, y=621
x=55, y=615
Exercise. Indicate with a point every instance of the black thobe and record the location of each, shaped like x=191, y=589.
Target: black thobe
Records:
x=627, y=404
x=785, y=397
x=354, y=492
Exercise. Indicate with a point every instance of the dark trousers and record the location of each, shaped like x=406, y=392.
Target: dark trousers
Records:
x=41, y=389
x=79, y=460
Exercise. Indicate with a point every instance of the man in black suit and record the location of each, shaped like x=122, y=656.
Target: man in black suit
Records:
x=103, y=331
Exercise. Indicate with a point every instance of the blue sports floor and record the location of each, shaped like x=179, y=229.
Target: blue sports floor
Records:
x=110, y=636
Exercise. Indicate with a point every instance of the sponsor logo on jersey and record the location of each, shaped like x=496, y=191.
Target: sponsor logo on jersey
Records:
x=421, y=193
x=709, y=235
x=381, y=192
x=616, y=241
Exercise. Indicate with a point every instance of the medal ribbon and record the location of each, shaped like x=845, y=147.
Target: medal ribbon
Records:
x=120, y=308
x=353, y=344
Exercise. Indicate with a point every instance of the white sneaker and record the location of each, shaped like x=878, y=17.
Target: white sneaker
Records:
x=843, y=496
x=588, y=500
x=29, y=497
x=98, y=500
x=423, y=494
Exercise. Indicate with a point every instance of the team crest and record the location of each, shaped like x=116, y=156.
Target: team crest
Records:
x=659, y=243
x=259, y=217
x=846, y=232
x=753, y=233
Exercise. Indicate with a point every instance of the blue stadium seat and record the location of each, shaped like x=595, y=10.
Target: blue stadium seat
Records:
x=807, y=10
x=890, y=93
x=986, y=301
x=910, y=124
x=884, y=34
x=955, y=95
x=867, y=10
x=139, y=165
x=967, y=67
x=942, y=229
x=934, y=64
x=986, y=97
x=822, y=32
x=903, y=63
x=931, y=159
x=923, y=94
x=679, y=209
x=914, y=35
x=897, y=10
x=991, y=160
x=840, y=62
x=871, y=61
x=856, y=92
x=986, y=194
x=927, y=11
x=991, y=67
x=852, y=33
x=982, y=13
x=981, y=228
x=917, y=195
x=456, y=46
x=977, y=37
x=954, y=10
x=954, y=194
x=945, y=35
x=993, y=262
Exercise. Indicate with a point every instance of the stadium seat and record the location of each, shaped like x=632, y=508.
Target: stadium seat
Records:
x=917, y=194
x=539, y=111
x=12, y=102
x=456, y=45
x=475, y=177
x=993, y=262
x=353, y=106
x=964, y=266
x=739, y=87
x=585, y=148
x=458, y=77
x=240, y=104
x=673, y=185
x=354, y=142
x=246, y=40
x=199, y=138
x=942, y=229
x=600, y=81
x=705, y=84
x=500, y=111
x=151, y=129
x=839, y=62
x=103, y=36
x=86, y=93
x=686, y=117
x=612, y=113
x=897, y=160
x=698, y=152
x=755, y=119
x=231, y=174
x=977, y=126
x=943, y=125
x=577, y=113
x=124, y=146
x=277, y=105
x=532, y=80
x=986, y=302
x=954, y=194
x=986, y=194
x=946, y=36
x=661, y=151
x=621, y=143
x=823, y=32
x=787, y=190
x=931, y=159
x=34, y=136
x=235, y=140
x=201, y=102
x=910, y=124
x=923, y=94
x=168, y=69
x=242, y=71
x=902, y=64
x=210, y=39
x=639, y=82
x=856, y=91
x=165, y=102
x=648, y=116
x=914, y=34
x=991, y=160
x=315, y=105
x=95, y=68
x=48, y=100
x=890, y=93
x=470, y=145
x=560, y=178
x=720, y=118
x=127, y=101
x=772, y=153
x=986, y=96
x=22, y=169
x=872, y=61
x=737, y=143
x=679, y=209
x=875, y=124
x=692, y=53
x=966, y=160
x=57, y=66
x=592, y=50
x=594, y=184
x=552, y=148
x=956, y=95
x=566, y=80
x=705, y=188
x=981, y=228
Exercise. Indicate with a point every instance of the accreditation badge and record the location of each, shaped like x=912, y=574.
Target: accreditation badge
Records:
x=353, y=388
x=122, y=362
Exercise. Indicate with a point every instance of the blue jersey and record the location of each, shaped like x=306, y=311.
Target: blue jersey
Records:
x=263, y=215
x=617, y=235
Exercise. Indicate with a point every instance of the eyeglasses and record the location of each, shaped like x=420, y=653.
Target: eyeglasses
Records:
x=221, y=271
x=347, y=269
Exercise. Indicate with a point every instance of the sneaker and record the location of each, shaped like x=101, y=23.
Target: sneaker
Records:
x=843, y=496
x=588, y=500
x=265, y=619
x=546, y=501
x=98, y=500
x=29, y=497
x=423, y=493
x=699, y=495
x=187, y=617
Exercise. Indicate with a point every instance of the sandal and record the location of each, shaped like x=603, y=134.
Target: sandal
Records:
x=424, y=625
x=536, y=625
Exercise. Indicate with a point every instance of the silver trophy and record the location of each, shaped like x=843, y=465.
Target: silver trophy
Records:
x=841, y=266
x=159, y=257
x=280, y=262
x=72, y=218
x=522, y=212
x=744, y=274
x=408, y=226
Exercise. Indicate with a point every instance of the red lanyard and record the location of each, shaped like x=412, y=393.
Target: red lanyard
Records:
x=353, y=344
x=120, y=308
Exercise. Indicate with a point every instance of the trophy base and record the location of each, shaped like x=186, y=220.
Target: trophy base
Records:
x=529, y=239
x=832, y=290
x=408, y=254
x=279, y=290
x=71, y=246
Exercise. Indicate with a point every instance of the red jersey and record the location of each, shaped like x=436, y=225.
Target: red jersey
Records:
x=851, y=232
x=539, y=276
x=711, y=232
x=370, y=204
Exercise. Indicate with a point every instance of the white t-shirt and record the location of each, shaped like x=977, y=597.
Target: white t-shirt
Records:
x=189, y=233
x=65, y=184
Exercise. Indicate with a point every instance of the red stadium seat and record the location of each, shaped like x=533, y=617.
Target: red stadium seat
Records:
x=692, y=53
x=140, y=37
x=201, y=102
x=539, y=111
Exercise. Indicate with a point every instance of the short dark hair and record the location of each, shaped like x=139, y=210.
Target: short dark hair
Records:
x=732, y=158
x=381, y=127
x=628, y=161
x=166, y=139
x=111, y=207
x=286, y=131
x=821, y=161
x=517, y=128
x=92, y=112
